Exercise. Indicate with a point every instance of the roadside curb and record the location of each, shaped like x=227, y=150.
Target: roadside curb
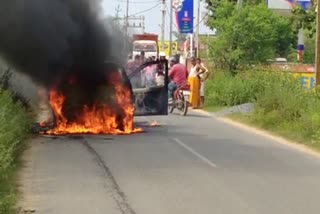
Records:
x=264, y=133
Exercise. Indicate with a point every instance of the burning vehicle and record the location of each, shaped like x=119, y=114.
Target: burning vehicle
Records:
x=76, y=59
x=114, y=105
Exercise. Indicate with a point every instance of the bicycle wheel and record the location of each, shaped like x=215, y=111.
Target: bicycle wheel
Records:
x=184, y=109
x=170, y=107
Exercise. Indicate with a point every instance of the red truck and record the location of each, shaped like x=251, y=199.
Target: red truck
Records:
x=145, y=42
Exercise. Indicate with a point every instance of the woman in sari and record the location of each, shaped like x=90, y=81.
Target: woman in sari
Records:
x=194, y=82
x=203, y=77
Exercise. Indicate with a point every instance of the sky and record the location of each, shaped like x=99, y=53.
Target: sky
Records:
x=153, y=16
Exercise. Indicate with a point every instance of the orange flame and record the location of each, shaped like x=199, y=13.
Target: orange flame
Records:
x=95, y=120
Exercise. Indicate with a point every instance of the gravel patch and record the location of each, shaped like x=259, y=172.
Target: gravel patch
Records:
x=243, y=108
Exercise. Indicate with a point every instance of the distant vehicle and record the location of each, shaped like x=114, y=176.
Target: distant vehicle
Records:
x=148, y=43
x=278, y=61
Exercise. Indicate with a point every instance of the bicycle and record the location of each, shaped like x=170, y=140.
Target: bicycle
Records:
x=180, y=100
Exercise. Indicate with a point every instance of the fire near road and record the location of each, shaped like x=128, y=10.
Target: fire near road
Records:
x=192, y=164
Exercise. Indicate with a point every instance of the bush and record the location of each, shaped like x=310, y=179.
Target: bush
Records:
x=14, y=127
x=281, y=104
x=228, y=90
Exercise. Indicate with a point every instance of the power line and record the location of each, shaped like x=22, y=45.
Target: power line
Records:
x=203, y=18
x=145, y=10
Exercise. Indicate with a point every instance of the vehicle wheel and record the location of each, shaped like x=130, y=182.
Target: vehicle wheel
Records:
x=183, y=106
x=171, y=108
x=184, y=110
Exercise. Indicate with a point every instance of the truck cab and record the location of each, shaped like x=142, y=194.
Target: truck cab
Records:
x=148, y=43
x=148, y=46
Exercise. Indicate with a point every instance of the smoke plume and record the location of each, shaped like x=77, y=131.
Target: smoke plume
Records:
x=47, y=39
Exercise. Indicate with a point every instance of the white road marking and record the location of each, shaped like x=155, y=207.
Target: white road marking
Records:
x=201, y=157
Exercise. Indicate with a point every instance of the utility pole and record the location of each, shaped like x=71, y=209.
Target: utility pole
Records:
x=163, y=26
x=318, y=45
x=133, y=19
x=170, y=33
x=239, y=3
x=198, y=29
x=127, y=18
x=117, y=17
x=143, y=25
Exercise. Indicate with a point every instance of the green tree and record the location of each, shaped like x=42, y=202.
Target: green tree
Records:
x=212, y=5
x=248, y=36
x=180, y=37
x=286, y=38
x=304, y=19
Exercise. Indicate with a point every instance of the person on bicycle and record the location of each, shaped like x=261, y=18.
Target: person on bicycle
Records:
x=178, y=76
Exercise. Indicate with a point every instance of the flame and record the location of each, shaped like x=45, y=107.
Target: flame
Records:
x=94, y=120
x=154, y=123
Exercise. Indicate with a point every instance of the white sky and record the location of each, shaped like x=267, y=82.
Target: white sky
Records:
x=152, y=17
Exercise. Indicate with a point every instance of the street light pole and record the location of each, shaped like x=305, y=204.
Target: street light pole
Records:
x=198, y=29
x=163, y=23
x=170, y=33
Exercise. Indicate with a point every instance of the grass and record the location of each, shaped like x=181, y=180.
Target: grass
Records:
x=8, y=192
x=286, y=131
x=282, y=106
x=213, y=108
x=14, y=128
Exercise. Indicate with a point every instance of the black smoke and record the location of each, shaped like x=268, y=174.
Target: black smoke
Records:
x=49, y=38
x=56, y=42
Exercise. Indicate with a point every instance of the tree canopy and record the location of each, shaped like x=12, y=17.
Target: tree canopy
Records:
x=250, y=35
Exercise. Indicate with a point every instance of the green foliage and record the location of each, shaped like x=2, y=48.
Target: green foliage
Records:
x=228, y=90
x=281, y=104
x=14, y=127
x=286, y=39
x=251, y=35
x=309, y=50
x=304, y=19
x=212, y=5
x=8, y=193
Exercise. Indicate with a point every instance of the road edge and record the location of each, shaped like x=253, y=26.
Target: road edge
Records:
x=264, y=133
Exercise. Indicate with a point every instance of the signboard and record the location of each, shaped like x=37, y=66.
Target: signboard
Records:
x=279, y=4
x=166, y=47
x=184, y=15
x=306, y=73
x=304, y=4
x=307, y=80
x=288, y=4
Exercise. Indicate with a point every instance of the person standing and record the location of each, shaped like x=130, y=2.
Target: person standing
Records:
x=194, y=82
x=203, y=77
x=136, y=78
x=142, y=57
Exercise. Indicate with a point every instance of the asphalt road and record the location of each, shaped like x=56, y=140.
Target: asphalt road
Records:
x=188, y=165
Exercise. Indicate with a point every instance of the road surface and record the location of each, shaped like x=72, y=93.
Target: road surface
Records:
x=188, y=165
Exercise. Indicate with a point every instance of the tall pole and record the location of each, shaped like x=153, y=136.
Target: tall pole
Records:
x=163, y=26
x=127, y=18
x=143, y=25
x=198, y=28
x=170, y=32
x=239, y=3
x=318, y=45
